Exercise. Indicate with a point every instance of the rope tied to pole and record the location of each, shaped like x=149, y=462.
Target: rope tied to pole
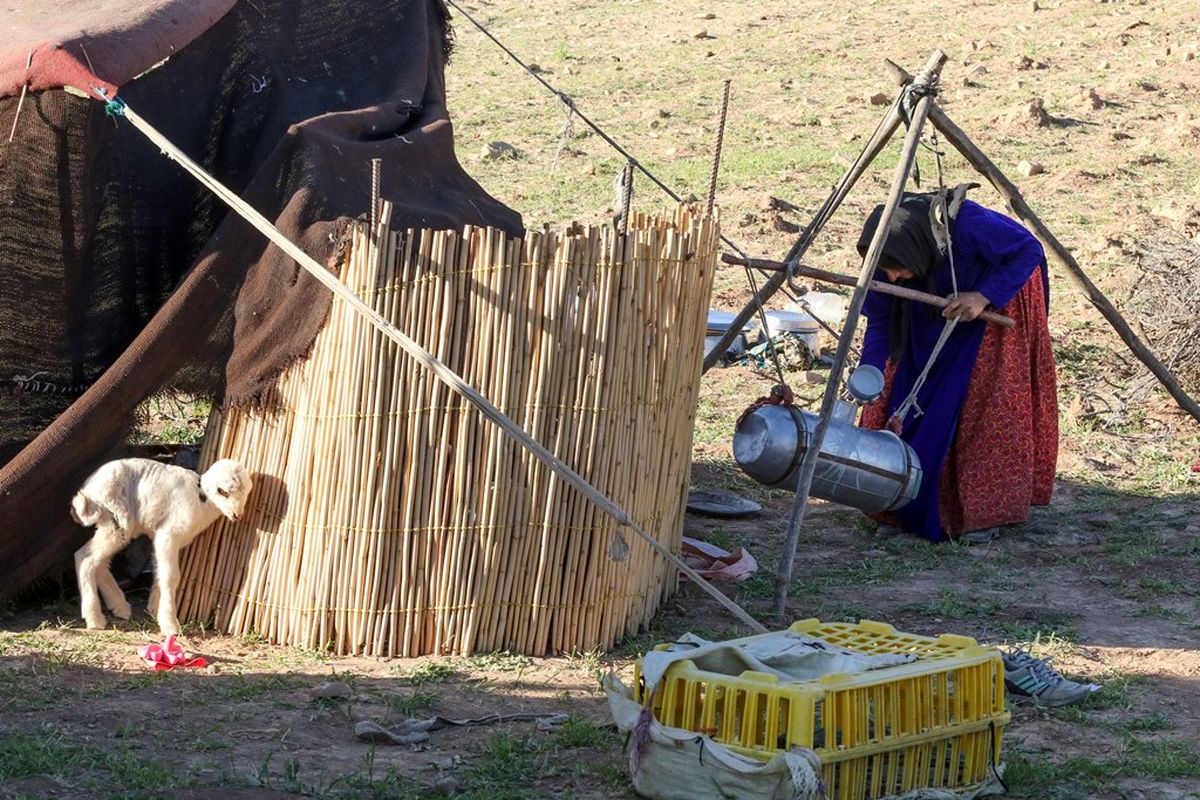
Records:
x=913, y=94
x=618, y=546
x=114, y=107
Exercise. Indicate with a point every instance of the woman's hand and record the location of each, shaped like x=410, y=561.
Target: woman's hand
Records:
x=966, y=306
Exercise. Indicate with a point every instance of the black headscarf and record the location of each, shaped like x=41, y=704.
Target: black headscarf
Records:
x=910, y=244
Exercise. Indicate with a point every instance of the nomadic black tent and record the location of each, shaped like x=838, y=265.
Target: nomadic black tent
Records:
x=119, y=275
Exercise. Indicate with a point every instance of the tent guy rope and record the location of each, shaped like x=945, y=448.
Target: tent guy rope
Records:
x=619, y=548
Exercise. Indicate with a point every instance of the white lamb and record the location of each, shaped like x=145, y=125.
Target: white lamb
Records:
x=133, y=496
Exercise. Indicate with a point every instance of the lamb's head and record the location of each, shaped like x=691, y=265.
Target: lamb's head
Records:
x=228, y=485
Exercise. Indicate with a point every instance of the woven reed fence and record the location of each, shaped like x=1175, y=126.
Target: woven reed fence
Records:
x=390, y=518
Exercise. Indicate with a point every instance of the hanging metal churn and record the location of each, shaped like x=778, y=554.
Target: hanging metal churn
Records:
x=872, y=471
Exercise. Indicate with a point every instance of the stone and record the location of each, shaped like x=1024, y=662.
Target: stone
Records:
x=1103, y=65
x=1173, y=210
x=1027, y=168
x=447, y=784
x=879, y=99
x=783, y=226
x=495, y=151
x=331, y=690
x=1092, y=98
x=1033, y=111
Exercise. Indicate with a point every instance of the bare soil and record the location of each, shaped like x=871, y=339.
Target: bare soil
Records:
x=1104, y=580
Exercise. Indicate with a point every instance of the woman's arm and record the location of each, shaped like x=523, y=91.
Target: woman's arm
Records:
x=877, y=344
x=1010, y=253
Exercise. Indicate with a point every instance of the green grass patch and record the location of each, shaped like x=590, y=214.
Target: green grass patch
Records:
x=243, y=689
x=951, y=603
x=120, y=773
x=431, y=672
x=1037, y=777
x=410, y=704
x=579, y=732
x=500, y=661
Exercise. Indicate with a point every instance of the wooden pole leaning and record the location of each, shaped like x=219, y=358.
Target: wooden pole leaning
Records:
x=875, y=286
x=1012, y=195
x=618, y=549
x=873, y=148
x=783, y=573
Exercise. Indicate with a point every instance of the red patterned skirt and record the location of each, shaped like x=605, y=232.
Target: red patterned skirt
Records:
x=1005, y=451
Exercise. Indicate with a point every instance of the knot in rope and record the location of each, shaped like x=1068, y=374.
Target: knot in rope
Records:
x=566, y=99
x=781, y=395
x=919, y=89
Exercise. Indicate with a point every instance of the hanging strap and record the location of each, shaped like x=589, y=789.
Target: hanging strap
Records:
x=942, y=212
x=896, y=422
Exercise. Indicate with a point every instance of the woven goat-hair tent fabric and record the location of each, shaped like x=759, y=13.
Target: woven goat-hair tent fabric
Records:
x=390, y=517
x=119, y=273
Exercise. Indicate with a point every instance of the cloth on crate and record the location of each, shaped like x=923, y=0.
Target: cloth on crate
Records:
x=981, y=406
x=787, y=655
x=667, y=763
x=673, y=764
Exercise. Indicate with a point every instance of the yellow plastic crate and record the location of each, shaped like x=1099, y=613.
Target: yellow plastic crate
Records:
x=934, y=723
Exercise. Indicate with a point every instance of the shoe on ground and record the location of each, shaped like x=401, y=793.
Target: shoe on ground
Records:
x=1032, y=679
x=980, y=537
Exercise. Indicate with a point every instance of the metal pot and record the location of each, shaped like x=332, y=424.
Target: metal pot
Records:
x=872, y=471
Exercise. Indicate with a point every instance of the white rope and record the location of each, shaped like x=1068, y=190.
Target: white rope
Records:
x=618, y=550
x=910, y=402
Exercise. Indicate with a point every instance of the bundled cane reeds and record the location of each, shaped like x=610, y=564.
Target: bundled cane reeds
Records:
x=391, y=518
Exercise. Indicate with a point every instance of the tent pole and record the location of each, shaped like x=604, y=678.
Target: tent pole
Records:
x=1022, y=211
x=872, y=149
x=783, y=572
x=776, y=281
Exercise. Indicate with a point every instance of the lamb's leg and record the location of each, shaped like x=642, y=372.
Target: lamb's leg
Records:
x=91, y=561
x=110, y=590
x=166, y=579
x=152, y=602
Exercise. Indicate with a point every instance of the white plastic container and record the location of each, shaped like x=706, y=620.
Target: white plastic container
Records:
x=828, y=307
x=718, y=323
x=793, y=323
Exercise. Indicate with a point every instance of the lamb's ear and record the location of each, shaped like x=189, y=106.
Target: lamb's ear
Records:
x=80, y=509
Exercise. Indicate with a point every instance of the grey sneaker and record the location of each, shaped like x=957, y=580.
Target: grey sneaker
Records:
x=1029, y=678
x=981, y=537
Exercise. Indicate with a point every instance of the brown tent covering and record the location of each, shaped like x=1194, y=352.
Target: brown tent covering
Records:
x=119, y=275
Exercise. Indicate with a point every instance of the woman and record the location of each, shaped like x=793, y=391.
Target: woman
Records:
x=985, y=420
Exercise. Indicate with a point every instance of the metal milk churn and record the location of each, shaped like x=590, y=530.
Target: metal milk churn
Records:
x=872, y=471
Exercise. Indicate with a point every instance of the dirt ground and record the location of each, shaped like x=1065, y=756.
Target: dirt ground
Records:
x=1104, y=580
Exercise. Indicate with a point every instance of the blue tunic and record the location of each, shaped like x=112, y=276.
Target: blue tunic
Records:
x=993, y=255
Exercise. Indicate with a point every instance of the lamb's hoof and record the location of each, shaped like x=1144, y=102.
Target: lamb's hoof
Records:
x=168, y=630
x=96, y=623
x=123, y=611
